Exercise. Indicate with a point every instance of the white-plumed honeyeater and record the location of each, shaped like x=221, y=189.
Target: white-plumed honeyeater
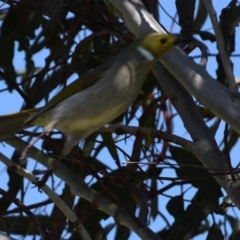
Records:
x=98, y=96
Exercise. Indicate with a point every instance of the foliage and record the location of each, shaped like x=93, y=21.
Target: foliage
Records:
x=74, y=37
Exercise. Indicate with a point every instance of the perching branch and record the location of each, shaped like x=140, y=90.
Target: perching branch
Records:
x=196, y=81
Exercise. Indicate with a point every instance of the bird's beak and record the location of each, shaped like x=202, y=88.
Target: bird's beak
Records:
x=180, y=39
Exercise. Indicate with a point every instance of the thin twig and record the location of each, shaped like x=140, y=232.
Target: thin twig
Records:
x=221, y=46
x=51, y=194
x=121, y=129
x=31, y=216
x=15, y=86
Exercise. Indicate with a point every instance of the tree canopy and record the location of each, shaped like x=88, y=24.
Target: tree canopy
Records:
x=135, y=175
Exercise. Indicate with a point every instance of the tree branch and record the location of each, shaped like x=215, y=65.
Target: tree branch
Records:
x=51, y=194
x=80, y=188
x=199, y=83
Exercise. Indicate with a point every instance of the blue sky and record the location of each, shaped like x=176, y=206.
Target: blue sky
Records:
x=13, y=102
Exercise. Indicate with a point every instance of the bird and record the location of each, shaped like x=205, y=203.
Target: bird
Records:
x=97, y=97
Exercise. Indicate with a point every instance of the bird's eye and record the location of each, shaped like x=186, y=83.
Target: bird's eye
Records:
x=163, y=41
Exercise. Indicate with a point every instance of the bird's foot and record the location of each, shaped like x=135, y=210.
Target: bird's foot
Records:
x=26, y=150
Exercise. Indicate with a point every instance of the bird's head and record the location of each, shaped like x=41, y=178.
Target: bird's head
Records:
x=157, y=44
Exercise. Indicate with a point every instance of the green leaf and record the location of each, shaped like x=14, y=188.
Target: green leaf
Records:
x=201, y=17
x=122, y=232
x=90, y=218
x=215, y=233
x=7, y=38
x=232, y=221
x=191, y=168
x=23, y=225
x=185, y=10
x=236, y=230
x=111, y=147
x=175, y=206
x=189, y=222
x=206, y=113
x=15, y=184
x=154, y=201
x=207, y=36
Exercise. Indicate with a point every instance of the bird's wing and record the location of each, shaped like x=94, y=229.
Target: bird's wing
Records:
x=80, y=84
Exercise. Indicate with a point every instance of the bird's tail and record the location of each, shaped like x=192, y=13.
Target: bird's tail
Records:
x=14, y=122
